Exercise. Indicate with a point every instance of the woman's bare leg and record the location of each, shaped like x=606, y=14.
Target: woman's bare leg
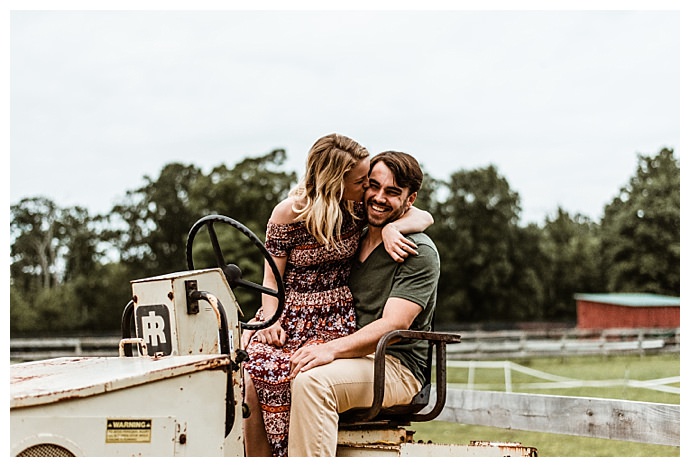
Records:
x=255, y=438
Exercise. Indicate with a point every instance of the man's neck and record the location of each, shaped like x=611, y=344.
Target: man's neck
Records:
x=375, y=234
x=369, y=243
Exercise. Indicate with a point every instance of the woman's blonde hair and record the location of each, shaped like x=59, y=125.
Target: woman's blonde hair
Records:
x=319, y=193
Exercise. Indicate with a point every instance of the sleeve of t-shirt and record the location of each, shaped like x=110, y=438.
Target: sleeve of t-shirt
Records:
x=416, y=278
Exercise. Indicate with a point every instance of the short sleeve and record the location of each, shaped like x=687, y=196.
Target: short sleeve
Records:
x=280, y=238
x=417, y=276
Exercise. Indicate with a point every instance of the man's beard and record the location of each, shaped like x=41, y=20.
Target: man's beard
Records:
x=380, y=219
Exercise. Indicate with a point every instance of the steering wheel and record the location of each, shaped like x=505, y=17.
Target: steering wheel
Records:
x=232, y=272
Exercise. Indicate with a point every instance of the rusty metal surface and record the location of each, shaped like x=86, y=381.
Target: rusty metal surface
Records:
x=506, y=449
x=399, y=442
x=437, y=450
x=57, y=379
x=393, y=436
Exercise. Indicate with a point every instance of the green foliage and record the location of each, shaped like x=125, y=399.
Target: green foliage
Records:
x=236, y=249
x=34, y=226
x=641, y=230
x=155, y=220
x=571, y=246
x=248, y=192
x=58, y=310
x=528, y=290
x=474, y=230
x=24, y=317
x=61, y=280
x=71, y=271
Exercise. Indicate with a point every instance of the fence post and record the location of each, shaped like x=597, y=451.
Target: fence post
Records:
x=507, y=367
x=470, y=375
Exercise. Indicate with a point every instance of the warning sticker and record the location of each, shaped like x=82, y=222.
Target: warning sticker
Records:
x=128, y=431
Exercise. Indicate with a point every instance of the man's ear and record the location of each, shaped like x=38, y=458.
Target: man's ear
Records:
x=411, y=199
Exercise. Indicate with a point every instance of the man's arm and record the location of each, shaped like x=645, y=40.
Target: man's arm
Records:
x=398, y=313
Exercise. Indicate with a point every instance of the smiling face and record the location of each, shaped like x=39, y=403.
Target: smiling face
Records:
x=385, y=200
x=355, y=181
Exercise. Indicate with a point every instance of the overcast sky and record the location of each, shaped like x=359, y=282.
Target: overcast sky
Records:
x=561, y=102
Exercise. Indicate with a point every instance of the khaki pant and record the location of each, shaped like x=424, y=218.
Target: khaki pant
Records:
x=318, y=395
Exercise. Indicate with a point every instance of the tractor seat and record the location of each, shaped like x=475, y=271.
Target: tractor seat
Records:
x=404, y=414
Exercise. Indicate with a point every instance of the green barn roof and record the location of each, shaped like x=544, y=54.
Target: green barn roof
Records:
x=629, y=299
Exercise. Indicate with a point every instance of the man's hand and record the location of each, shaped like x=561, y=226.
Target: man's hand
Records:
x=310, y=357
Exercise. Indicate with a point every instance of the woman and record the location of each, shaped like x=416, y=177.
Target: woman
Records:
x=312, y=236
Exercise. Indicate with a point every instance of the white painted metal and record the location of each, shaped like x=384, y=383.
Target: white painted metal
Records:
x=54, y=380
x=179, y=397
x=191, y=333
x=172, y=406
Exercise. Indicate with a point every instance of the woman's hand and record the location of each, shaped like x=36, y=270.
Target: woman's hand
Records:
x=272, y=335
x=395, y=243
x=249, y=333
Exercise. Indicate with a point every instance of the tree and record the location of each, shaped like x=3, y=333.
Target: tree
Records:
x=34, y=226
x=473, y=230
x=427, y=197
x=55, y=258
x=81, y=242
x=641, y=229
x=247, y=192
x=155, y=221
x=571, y=246
x=528, y=281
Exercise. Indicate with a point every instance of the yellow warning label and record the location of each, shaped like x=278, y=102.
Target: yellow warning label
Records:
x=128, y=431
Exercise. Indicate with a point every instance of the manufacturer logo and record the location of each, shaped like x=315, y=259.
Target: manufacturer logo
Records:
x=153, y=325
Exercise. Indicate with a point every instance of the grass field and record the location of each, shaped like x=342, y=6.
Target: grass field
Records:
x=583, y=368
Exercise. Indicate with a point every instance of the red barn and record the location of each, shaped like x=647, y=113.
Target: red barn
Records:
x=627, y=310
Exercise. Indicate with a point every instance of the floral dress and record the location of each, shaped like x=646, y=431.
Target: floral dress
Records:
x=318, y=308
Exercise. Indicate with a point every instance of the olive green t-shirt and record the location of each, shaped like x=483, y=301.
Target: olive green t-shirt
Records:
x=379, y=278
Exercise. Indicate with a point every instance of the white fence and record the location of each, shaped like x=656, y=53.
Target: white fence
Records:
x=562, y=342
x=552, y=381
x=471, y=404
x=475, y=345
x=614, y=419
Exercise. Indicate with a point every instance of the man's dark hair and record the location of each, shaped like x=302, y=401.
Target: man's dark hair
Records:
x=405, y=169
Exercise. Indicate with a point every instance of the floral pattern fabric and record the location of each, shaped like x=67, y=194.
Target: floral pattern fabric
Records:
x=318, y=308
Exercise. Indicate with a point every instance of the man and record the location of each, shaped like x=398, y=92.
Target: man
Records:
x=338, y=375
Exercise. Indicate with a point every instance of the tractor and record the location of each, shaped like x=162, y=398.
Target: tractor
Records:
x=176, y=387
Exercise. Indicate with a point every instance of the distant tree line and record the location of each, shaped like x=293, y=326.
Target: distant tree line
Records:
x=70, y=271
